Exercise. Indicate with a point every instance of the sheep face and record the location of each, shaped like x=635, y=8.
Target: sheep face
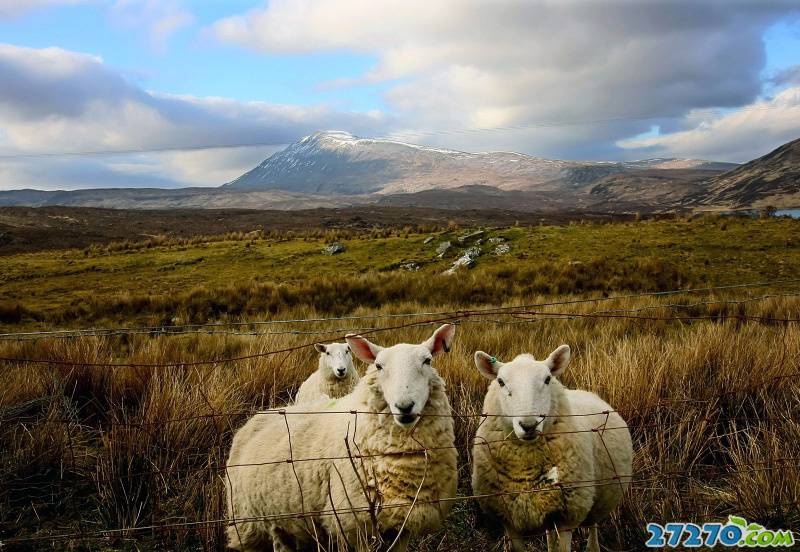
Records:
x=524, y=390
x=337, y=358
x=404, y=372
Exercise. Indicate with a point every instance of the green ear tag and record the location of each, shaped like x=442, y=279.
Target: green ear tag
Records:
x=493, y=360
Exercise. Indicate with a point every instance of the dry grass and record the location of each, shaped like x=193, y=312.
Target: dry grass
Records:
x=693, y=392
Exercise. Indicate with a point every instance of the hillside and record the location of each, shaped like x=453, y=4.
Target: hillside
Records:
x=773, y=179
x=664, y=188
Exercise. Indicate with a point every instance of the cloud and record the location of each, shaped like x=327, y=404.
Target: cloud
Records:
x=161, y=18
x=75, y=173
x=789, y=75
x=738, y=137
x=54, y=100
x=468, y=63
x=171, y=169
x=15, y=8
x=37, y=83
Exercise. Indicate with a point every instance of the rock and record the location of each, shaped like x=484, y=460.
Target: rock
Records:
x=428, y=240
x=574, y=263
x=467, y=237
x=497, y=239
x=502, y=249
x=411, y=266
x=466, y=260
x=443, y=248
x=334, y=249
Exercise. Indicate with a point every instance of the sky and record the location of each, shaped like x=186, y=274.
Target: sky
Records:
x=118, y=93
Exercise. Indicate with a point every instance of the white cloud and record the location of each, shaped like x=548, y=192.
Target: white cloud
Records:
x=469, y=63
x=54, y=100
x=207, y=167
x=739, y=136
x=161, y=18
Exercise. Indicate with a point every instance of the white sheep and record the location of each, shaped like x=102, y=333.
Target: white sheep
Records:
x=335, y=376
x=385, y=449
x=537, y=434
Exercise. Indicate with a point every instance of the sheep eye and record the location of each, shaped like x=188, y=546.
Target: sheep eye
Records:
x=426, y=361
x=327, y=353
x=501, y=383
x=547, y=380
x=379, y=367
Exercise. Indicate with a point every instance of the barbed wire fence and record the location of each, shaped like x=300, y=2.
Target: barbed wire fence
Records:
x=20, y=416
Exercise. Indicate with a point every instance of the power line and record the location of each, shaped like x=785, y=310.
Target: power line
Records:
x=392, y=136
x=100, y=332
x=464, y=314
x=130, y=151
x=180, y=331
x=555, y=124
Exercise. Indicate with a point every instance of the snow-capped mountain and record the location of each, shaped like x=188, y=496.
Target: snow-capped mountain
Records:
x=336, y=162
x=335, y=169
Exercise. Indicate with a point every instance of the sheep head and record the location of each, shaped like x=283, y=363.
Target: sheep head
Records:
x=523, y=389
x=404, y=371
x=337, y=358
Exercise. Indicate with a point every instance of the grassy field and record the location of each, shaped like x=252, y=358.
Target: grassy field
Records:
x=195, y=280
x=710, y=398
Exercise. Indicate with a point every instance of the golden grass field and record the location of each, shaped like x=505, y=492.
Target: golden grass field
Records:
x=712, y=396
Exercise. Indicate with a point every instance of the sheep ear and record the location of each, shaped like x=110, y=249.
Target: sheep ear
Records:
x=441, y=340
x=558, y=360
x=320, y=347
x=362, y=348
x=487, y=365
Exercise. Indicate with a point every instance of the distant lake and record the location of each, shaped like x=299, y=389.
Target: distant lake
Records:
x=794, y=213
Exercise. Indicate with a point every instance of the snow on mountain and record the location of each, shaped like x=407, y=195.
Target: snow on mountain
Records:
x=337, y=162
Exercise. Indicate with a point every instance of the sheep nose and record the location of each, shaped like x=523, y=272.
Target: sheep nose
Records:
x=404, y=408
x=528, y=428
x=340, y=372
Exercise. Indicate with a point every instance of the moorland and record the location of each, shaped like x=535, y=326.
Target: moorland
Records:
x=126, y=430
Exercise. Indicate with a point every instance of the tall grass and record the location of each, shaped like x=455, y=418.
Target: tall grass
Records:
x=340, y=294
x=694, y=393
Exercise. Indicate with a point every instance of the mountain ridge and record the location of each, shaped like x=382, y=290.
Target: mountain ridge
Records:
x=337, y=162
x=335, y=169
x=770, y=180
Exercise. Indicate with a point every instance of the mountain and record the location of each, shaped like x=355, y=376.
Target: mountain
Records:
x=335, y=169
x=336, y=162
x=773, y=179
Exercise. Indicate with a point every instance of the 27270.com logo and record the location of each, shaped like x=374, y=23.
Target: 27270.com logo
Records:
x=737, y=532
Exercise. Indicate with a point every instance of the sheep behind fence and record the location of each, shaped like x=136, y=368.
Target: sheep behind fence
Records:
x=716, y=412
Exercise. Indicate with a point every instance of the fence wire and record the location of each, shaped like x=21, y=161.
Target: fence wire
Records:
x=650, y=481
x=189, y=328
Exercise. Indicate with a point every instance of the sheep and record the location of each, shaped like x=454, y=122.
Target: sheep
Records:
x=335, y=375
x=553, y=444
x=384, y=459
